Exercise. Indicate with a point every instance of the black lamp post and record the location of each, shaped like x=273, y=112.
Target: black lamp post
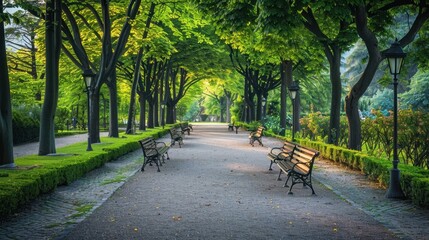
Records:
x=395, y=57
x=88, y=75
x=162, y=114
x=293, y=89
x=264, y=102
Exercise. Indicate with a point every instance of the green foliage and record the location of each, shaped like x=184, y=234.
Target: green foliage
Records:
x=25, y=127
x=382, y=100
x=192, y=112
x=418, y=96
x=377, y=136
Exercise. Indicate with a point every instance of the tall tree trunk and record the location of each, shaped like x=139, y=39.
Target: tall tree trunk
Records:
x=94, y=115
x=136, y=78
x=6, y=135
x=228, y=105
x=53, y=48
x=142, y=113
x=114, y=122
x=335, y=76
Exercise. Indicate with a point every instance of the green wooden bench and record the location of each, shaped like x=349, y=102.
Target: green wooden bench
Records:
x=176, y=136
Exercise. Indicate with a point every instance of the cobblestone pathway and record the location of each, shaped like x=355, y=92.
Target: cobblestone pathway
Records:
x=52, y=215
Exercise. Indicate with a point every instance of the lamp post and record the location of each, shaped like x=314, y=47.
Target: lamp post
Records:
x=162, y=114
x=293, y=90
x=395, y=57
x=264, y=102
x=88, y=75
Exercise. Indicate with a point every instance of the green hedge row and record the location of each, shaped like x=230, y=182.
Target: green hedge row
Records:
x=414, y=180
x=24, y=128
x=36, y=175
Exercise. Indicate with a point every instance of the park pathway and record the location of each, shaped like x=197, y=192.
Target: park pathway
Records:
x=216, y=187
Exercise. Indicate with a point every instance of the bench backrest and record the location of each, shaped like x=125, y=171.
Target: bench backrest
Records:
x=288, y=147
x=148, y=147
x=305, y=157
x=259, y=131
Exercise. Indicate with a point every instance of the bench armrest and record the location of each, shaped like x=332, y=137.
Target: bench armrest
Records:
x=162, y=144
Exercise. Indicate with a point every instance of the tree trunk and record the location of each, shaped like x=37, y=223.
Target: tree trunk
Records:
x=374, y=59
x=356, y=92
x=94, y=109
x=335, y=76
x=150, y=118
x=6, y=135
x=228, y=106
x=136, y=78
x=114, y=122
x=142, y=113
x=53, y=49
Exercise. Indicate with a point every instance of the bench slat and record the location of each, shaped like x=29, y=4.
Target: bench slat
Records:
x=295, y=160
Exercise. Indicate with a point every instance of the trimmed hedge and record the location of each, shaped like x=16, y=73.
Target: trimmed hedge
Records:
x=414, y=180
x=36, y=175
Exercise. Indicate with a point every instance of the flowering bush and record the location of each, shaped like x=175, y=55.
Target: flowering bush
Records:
x=377, y=134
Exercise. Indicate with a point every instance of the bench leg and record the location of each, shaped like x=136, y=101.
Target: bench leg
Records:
x=280, y=173
x=260, y=141
x=287, y=180
x=271, y=164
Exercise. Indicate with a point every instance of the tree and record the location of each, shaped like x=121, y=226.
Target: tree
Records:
x=6, y=142
x=53, y=49
x=372, y=20
x=417, y=97
x=22, y=57
x=110, y=54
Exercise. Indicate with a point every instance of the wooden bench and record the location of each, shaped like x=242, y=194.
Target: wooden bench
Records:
x=231, y=127
x=298, y=165
x=256, y=136
x=176, y=136
x=280, y=153
x=153, y=152
x=186, y=127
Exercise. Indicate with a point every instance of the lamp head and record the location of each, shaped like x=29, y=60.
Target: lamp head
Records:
x=395, y=56
x=293, y=89
x=88, y=76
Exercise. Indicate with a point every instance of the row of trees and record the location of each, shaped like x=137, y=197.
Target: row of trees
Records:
x=295, y=34
x=158, y=49
x=148, y=54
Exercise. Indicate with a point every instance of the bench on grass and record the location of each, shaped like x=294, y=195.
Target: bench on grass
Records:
x=297, y=162
x=176, y=136
x=153, y=152
x=186, y=127
x=256, y=136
